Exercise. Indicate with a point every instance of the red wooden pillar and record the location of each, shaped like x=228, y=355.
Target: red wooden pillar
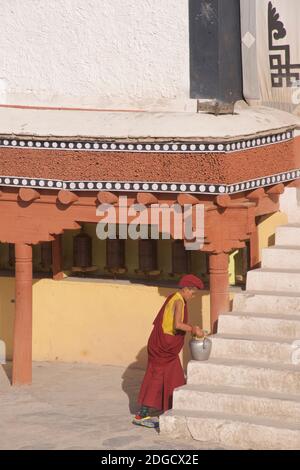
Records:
x=254, y=249
x=219, y=287
x=57, y=258
x=22, y=347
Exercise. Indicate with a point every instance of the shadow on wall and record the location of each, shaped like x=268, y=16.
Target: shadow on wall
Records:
x=271, y=240
x=7, y=315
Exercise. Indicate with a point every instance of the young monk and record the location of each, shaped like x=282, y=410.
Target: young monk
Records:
x=164, y=371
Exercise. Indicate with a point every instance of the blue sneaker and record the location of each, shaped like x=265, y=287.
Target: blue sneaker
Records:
x=146, y=421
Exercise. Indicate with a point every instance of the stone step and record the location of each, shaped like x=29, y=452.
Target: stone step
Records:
x=281, y=257
x=264, y=349
x=289, y=204
x=245, y=374
x=274, y=279
x=288, y=235
x=230, y=430
x=258, y=324
x=237, y=401
x=284, y=303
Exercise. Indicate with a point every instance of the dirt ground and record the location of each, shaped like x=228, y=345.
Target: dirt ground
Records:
x=77, y=406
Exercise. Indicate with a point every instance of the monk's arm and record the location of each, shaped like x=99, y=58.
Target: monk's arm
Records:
x=178, y=324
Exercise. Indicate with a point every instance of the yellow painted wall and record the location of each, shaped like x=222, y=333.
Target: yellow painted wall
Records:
x=7, y=312
x=267, y=227
x=92, y=321
x=231, y=269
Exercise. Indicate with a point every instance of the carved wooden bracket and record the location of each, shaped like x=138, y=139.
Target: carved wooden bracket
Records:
x=183, y=199
x=29, y=195
x=293, y=184
x=278, y=189
x=256, y=194
x=106, y=197
x=67, y=197
x=225, y=202
x=147, y=199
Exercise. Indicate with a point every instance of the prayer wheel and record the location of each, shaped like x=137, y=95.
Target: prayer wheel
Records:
x=82, y=250
x=180, y=258
x=148, y=255
x=115, y=253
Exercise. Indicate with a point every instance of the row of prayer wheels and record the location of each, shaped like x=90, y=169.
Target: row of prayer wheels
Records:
x=115, y=254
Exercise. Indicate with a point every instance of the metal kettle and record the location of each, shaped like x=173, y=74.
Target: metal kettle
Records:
x=200, y=348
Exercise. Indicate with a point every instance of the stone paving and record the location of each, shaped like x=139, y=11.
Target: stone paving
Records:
x=77, y=406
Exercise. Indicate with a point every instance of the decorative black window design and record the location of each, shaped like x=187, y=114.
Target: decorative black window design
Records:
x=283, y=73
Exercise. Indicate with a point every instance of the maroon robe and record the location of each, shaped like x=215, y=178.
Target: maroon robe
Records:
x=164, y=371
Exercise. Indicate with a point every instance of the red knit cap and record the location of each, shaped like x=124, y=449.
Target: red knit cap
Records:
x=191, y=281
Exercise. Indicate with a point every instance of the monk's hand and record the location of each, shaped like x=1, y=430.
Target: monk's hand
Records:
x=197, y=331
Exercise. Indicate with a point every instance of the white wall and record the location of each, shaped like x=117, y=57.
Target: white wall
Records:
x=95, y=53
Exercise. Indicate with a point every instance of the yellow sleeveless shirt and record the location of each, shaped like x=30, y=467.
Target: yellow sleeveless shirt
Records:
x=168, y=318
